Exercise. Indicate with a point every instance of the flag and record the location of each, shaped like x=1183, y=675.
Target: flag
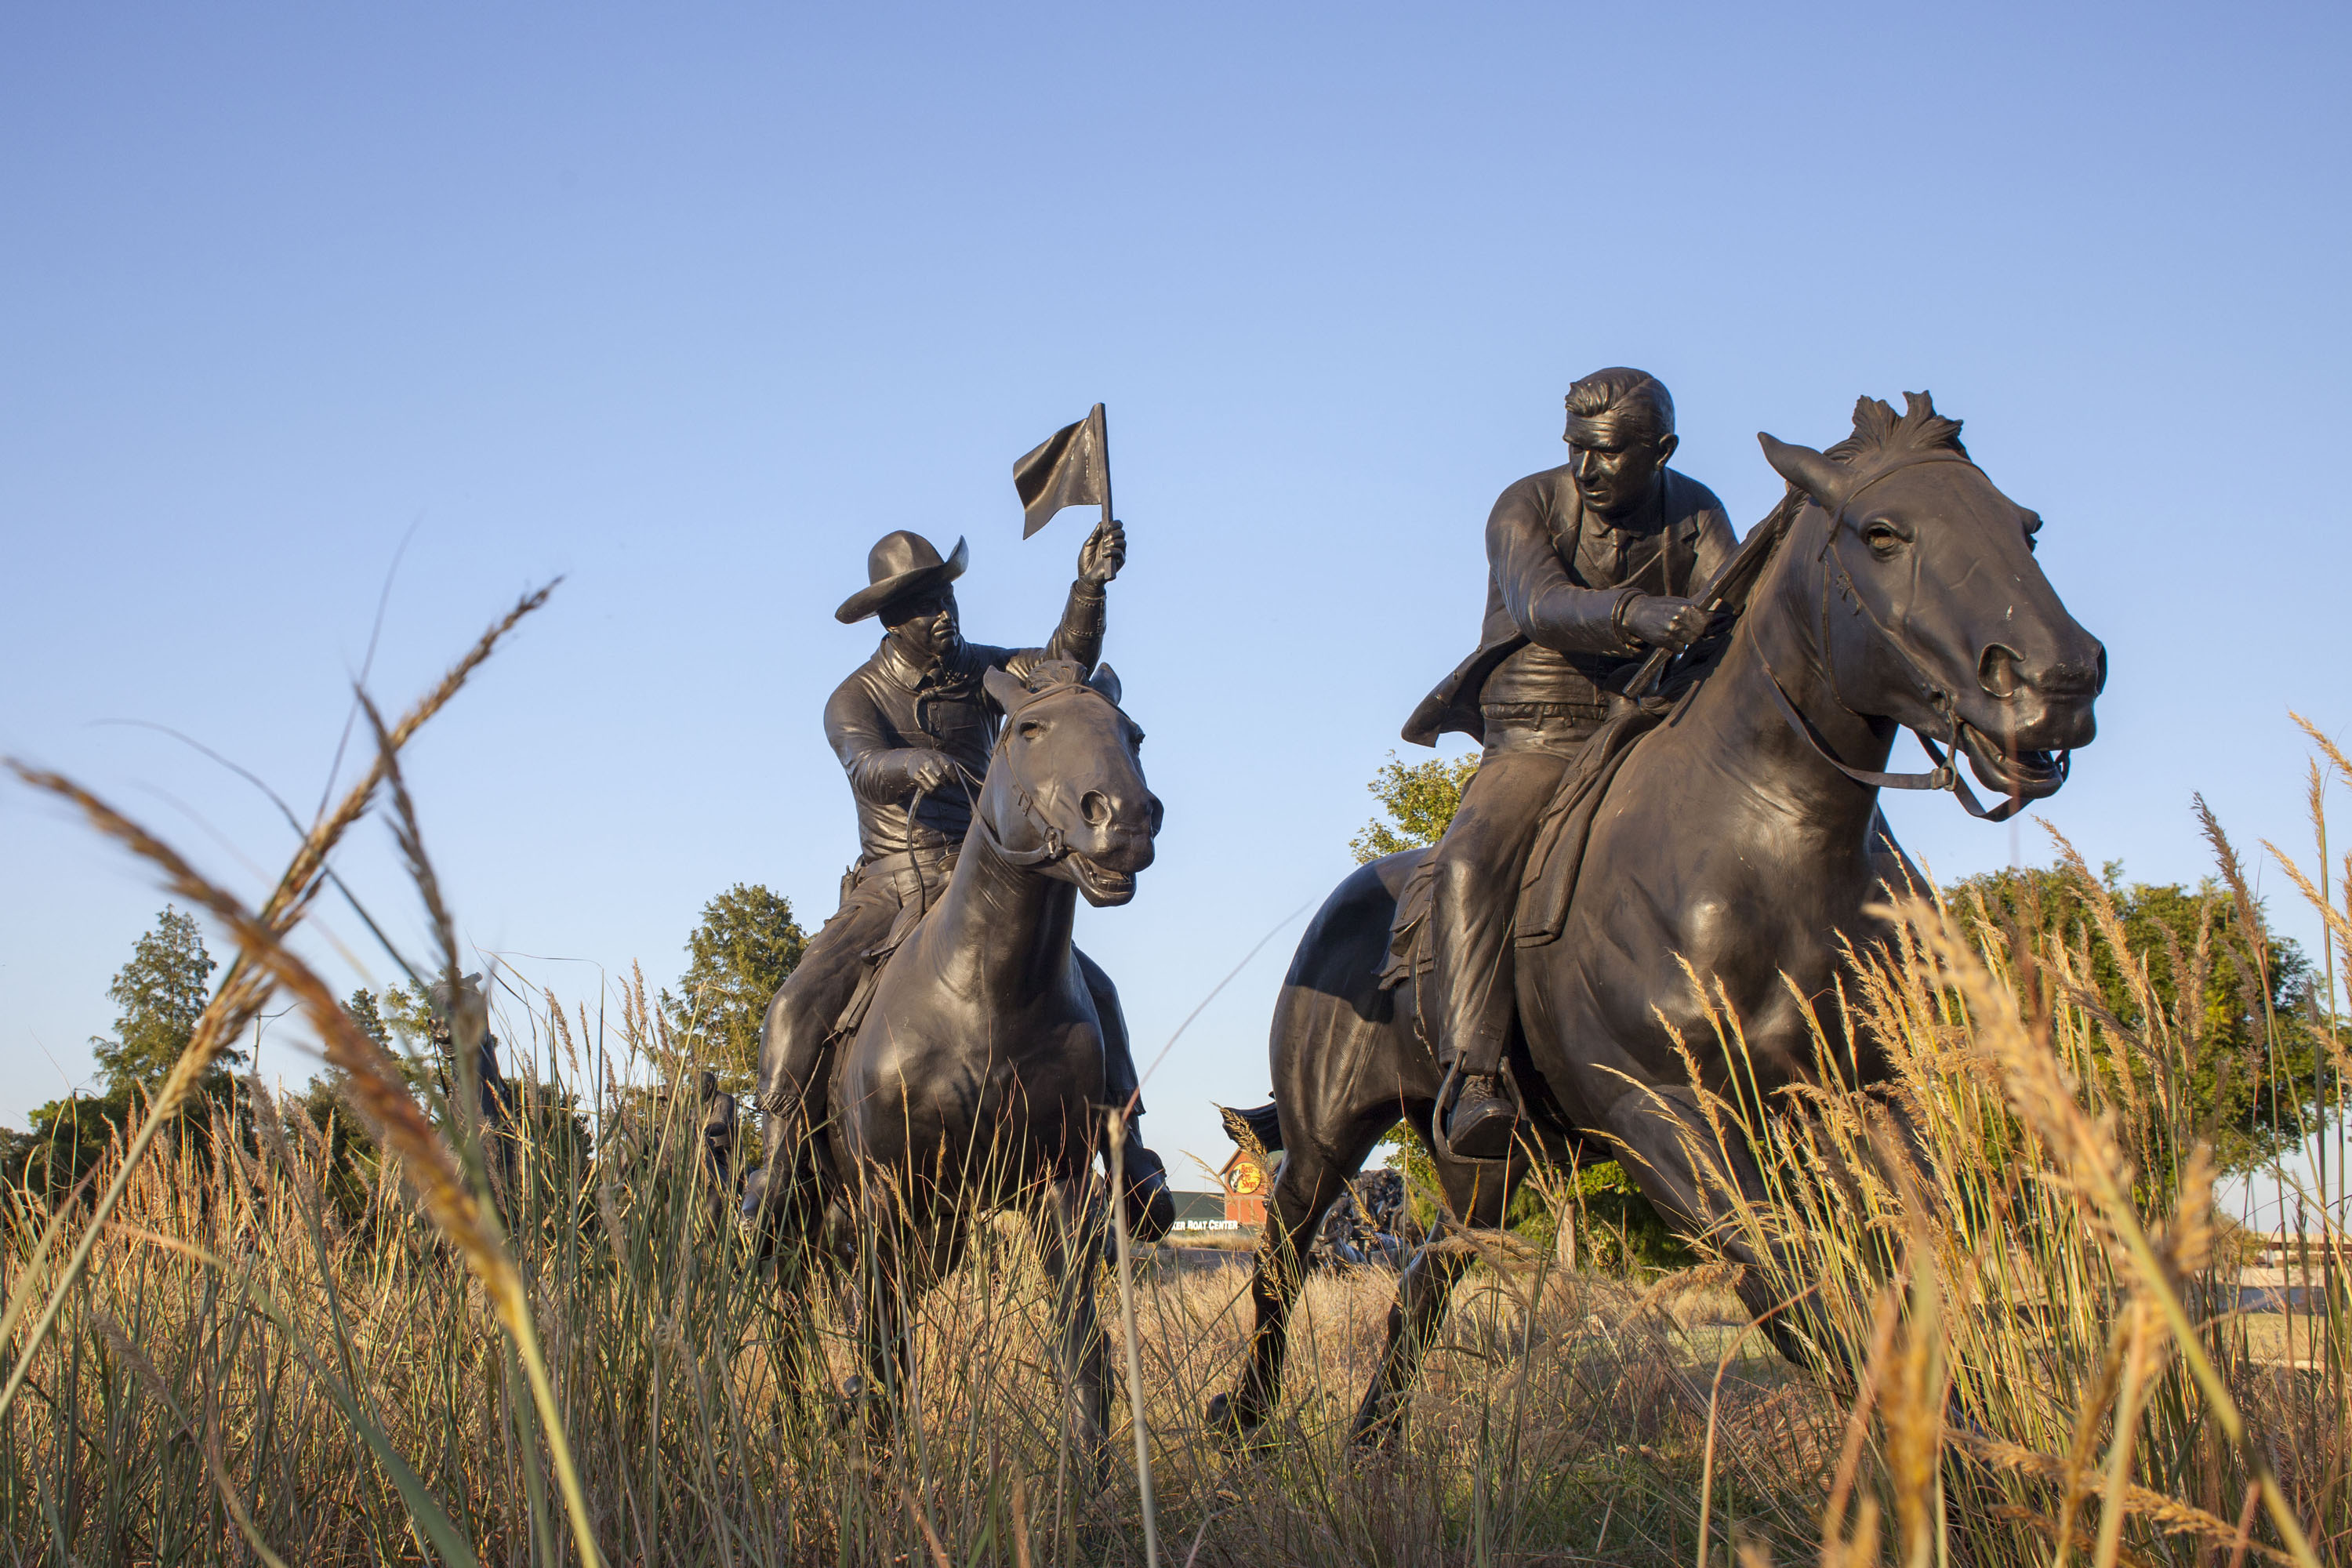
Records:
x=1071, y=467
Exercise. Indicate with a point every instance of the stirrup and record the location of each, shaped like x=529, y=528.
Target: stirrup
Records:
x=1441, y=1120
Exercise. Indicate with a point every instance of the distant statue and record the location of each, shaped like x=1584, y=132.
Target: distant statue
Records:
x=914, y=727
x=718, y=1139
x=979, y=1059
x=465, y=1010
x=1589, y=566
x=1735, y=829
x=1366, y=1224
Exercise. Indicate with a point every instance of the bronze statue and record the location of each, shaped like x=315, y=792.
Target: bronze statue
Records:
x=1893, y=587
x=913, y=726
x=719, y=1113
x=465, y=1011
x=1588, y=567
x=979, y=1069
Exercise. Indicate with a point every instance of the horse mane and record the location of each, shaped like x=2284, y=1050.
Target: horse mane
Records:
x=1882, y=439
x=1880, y=434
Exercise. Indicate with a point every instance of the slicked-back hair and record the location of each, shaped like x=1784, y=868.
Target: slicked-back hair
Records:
x=1635, y=396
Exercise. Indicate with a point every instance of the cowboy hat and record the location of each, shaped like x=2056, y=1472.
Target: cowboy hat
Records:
x=902, y=564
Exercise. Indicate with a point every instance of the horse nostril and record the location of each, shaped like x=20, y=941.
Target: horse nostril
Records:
x=1095, y=806
x=1158, y=813
x=1997, y=671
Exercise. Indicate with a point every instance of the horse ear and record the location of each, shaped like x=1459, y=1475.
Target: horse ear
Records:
x=1011, y=692
x=1105, y=680
x=1807, y=470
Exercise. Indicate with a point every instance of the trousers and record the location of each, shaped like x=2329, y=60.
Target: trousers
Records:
x=795, y=1060
x=1475, y=886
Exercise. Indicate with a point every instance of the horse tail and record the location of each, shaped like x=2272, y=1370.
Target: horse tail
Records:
x=1261, y=1125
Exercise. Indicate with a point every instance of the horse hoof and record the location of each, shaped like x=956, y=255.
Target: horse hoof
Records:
x=1233, y=1419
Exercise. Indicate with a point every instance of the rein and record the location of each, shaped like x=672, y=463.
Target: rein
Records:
x=1945, y=774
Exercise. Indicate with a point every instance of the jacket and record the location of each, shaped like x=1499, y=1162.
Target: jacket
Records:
x=1554, y=581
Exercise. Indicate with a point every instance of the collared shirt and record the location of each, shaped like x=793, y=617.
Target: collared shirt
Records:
x=890, y=708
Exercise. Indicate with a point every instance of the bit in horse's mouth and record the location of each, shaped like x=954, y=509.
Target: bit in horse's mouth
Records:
x=2026, y=774
x=1100, y=884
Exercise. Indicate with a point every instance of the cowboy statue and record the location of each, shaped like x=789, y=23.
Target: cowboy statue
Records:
x=718, y=1108
x=463, y=1008
x=913, y=728
x=1591, y=567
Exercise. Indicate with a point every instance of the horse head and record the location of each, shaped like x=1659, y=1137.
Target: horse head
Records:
x=1064, y=791
x=1932, y=611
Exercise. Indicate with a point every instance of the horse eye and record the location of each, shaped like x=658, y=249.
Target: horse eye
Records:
x=1029, y=729
x=1882, y=539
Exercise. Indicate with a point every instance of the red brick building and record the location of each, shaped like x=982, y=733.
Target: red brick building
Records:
x=1244, y=1190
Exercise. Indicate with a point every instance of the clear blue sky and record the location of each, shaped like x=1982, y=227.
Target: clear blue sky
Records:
x=690, y=304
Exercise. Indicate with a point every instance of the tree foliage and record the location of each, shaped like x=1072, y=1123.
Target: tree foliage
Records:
x=1420, y=799
x=2260, y=1079
x=364, y=1011
x=746, y=944
x=162, y=992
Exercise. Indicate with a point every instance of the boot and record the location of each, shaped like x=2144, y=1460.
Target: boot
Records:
x=770, y=1190
x=1150, y=1207
x=1482, y=1122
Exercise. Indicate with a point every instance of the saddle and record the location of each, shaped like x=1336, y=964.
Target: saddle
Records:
x=1549, y=879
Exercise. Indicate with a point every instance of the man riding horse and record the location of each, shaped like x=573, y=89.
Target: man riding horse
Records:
x=1592, y=565
x=913, y=728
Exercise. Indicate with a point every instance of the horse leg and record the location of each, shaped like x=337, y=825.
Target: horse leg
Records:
x=1060, y=1224
x=796, y=1054
x=1346, y=1065
x=883, y=1302
x=1308, y=1185
x=1479, y=1195
x=1675, y=1157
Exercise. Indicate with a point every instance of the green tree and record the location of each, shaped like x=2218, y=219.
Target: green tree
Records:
x=746, y=944
x=328, y=1101
x=2258, y=1079
x=162, y=992
x=362, y=1008
x=1420, y=799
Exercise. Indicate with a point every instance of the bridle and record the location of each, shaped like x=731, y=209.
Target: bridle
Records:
x=1945, y=774
x=1051, y=845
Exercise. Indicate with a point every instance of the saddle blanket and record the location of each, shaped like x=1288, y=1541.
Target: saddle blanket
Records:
x=1549, y=880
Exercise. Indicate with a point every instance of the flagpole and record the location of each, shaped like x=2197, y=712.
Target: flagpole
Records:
x=1106, y=450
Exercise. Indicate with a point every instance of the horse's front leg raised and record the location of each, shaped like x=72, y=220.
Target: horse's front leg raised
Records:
x=1068, y=1243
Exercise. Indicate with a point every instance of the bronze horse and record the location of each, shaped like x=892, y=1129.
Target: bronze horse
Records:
x=974, y=1081
x=1900, y=590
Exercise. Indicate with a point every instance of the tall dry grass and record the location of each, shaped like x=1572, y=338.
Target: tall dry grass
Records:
x=533, y=1346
